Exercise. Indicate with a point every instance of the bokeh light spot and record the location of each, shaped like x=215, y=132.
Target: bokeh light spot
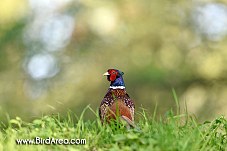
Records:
x=195, y=96
x=42, y=66
x=211, y=20
x=57, y=31
x=103, y=20
x=12, y=10
x=211, y=66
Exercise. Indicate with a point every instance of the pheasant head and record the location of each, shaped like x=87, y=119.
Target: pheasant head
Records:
x=116, y=78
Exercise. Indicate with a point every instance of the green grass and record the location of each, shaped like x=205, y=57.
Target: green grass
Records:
x=171, y=132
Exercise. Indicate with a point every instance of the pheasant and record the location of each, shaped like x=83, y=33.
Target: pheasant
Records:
x=116, y=102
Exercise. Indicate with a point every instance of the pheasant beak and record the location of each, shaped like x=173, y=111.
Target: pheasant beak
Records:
x=106, y=74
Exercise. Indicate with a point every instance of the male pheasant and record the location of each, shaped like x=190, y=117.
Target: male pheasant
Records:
x=116, y=102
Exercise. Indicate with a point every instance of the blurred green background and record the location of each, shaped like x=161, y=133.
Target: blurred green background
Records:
x=53, y=54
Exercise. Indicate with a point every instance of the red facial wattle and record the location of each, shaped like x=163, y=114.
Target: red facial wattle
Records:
x=113, y=77
x=113, y=74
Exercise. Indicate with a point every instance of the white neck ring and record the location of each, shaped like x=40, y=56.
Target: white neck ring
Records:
x=117, y=87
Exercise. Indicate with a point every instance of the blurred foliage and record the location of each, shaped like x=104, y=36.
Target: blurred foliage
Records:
x=155, y=43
